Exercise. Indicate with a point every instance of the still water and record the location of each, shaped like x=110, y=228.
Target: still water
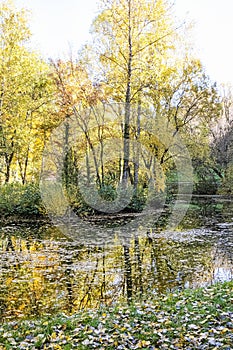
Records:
x=43, y=272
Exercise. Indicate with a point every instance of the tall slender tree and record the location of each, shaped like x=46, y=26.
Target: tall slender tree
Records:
x=133, y=38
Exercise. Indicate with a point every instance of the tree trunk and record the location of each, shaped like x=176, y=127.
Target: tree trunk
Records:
x=23, y=167
x=126, y=130
x=137, y=150
x=8, y=159
x=66, y=160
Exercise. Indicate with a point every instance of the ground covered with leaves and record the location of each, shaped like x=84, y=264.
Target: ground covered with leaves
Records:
x=191, y=319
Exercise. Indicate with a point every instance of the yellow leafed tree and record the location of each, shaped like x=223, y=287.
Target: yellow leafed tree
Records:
x=25, y=99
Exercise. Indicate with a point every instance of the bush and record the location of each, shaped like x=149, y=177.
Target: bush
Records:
x=207, y=181
x=23, y=200
x=109, y=194
x=138, y=201
x=226, y=187
x=209, y=186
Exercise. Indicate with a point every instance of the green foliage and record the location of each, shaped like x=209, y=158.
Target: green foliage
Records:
x=206, y=187
x=77, y=202
x=227, y=183
x=17, y=199
x=138, y=201
x=207, y=182
x=108, y=192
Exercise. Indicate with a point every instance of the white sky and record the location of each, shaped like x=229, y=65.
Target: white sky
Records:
x=57, y=23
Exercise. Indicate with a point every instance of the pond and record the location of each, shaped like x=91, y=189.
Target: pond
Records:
x=42, y=272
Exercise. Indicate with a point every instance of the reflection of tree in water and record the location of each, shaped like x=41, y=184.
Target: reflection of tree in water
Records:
x=208, y=210
x=223, y=258
x=50, y=274
x=227, y=210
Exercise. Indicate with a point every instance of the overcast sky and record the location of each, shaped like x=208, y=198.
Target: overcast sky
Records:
x=56, y=24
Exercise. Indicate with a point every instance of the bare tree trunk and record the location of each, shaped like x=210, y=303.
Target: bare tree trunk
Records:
x=126, y=131
x=137, y=151
x=102, y=161
x=23, y=167
x=66, y=160
x=88, y=165
x=8, y=159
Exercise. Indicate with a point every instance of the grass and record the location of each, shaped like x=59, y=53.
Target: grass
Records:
x=190, y=319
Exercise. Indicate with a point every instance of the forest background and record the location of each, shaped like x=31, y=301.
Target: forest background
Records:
x=139, y=59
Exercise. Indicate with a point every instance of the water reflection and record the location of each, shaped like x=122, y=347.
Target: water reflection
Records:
x=42, y=272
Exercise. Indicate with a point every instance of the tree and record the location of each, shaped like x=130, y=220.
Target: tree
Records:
x=189, y=102
x=222, y=142
x=25, y=98
x=137, y=45
x=222, y=138
x=76, y=95
x=133, y=39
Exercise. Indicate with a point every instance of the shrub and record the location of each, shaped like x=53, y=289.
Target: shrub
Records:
x=138, y=201
x=23, y=200
x=226, y=187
